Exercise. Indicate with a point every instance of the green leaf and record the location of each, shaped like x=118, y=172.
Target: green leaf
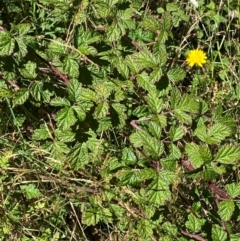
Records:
x=217, y=133
x=158, y=192
x=152, y=146
x=41, y=134
x=78, y=156
x=7, y=43
x=101, y=110
x=154, y=103
x=71, y=67
x=58, y=47
x=218, y=234
x=36, y=90
x=150, y=22
x=182, y=116
x=156, y=75
x=21, y=43
x=86, y=49
x=64, y=136
x=21, y=97
x=88, y=95
x=128, y=156
x=235, y=237
x=123, y=69
x=65, y=118
x=228, y=154
x=194, y=224
x=136, y=139
x=225, y=209
x=193, y=152
x=174, y=152
x=145, y=59
x=91, y=217
x=31, y=191
x=74, y=89
x=155, y=129
x=29, y=72
x=58, y=101
x=130, y=178
x=80, y=112
x=176, y=74
x=233, y=190
x=176, y=133
x=134, y=67
x=143, y=81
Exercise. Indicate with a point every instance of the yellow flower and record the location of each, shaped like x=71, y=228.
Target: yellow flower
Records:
x=197, y=57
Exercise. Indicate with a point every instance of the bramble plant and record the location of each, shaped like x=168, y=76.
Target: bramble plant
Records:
x=119, y=120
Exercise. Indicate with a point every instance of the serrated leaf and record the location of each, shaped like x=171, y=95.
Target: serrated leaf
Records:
x=128, y=156
x=29, y=72
x=21, y=46
x=152, y=146
x=58, y=101
x=174, y=152
x=158, y=192
x=218, y=234
x=36, y=90
x=7, y=43
x=71, y=67
x=155, y=129
x=58, y=47
x=22, y=28
x=228, y=154
x=21, y=97
x=114, y=32
x=64, y=136
x=143, y=81
x=210, y=173
x=88, y=95
x=41, y=134
x=156, y=75
x=192, y=151
x=160, y=119
x=65, y=118
x=233, y=190
x=86, y=49
x=145, y=59
x=194, y=224
x=201, y=132
x=182, y=116
x=235, y=237
x=175, y=98
x=101, y=110
x=136, y=139
x=131, y=64
x=80, y=112
x=91, y=217
x=225, y=209
x=130, y=178
x=150, y=22
x=166, y=21
x=78, y=156
x=217, y=133
x=154, y=103
x=176, y=133
x=176, y=74
x=74, y=89
x=123, y=69
x=31, y=191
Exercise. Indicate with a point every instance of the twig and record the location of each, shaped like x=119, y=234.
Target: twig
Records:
x=195, y=236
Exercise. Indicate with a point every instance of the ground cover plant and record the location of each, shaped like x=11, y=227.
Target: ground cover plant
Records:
x=119, y=120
